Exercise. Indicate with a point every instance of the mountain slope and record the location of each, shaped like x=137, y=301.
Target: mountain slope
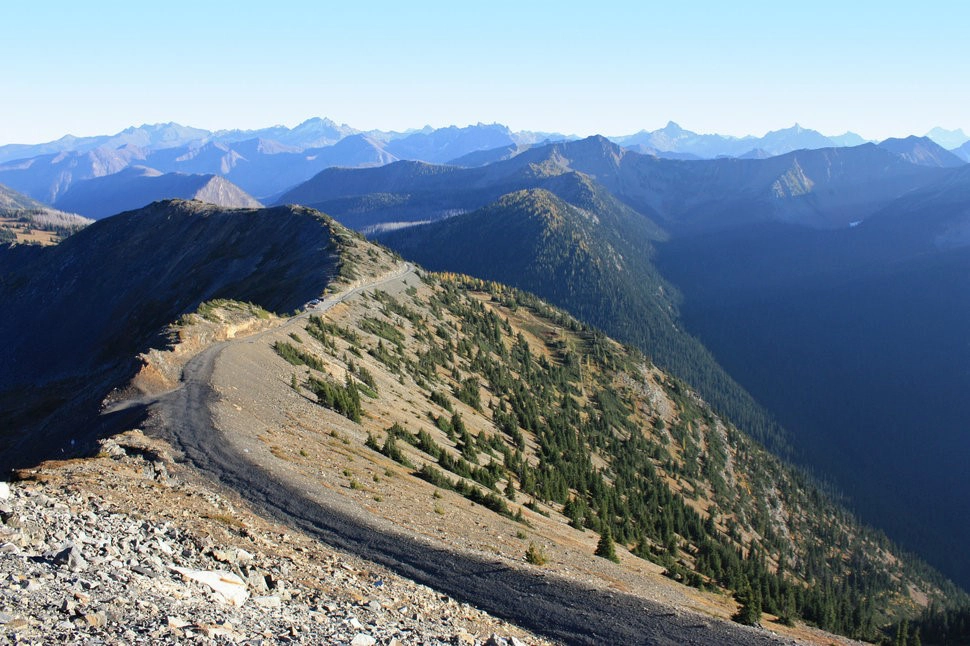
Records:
x=23, y=219
x=484, y=418
x=870, y=322
x=922, y=151
x=591, y=255
x=76, y=315
x=136, y=186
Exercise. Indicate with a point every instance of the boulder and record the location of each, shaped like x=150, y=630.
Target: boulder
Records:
x=228, y=585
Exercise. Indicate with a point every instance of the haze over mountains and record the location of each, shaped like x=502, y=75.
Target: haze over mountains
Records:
x=268, y=161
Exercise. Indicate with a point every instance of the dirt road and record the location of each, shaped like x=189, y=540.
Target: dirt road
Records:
x=543, y=603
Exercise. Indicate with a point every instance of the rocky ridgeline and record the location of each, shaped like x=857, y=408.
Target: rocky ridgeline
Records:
x=76, y=568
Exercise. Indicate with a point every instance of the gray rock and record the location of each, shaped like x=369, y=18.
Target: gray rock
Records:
x=271, y=601
x=71, y=558
x=96, y=619
x=9, y=548
x=257, y=581
x=32, y=585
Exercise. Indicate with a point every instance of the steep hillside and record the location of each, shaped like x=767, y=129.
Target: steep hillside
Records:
x=76, y=315
x=790, y=259
x=472, y=415
x=870, y=322
x=137, y=186
x=591, y=255
x=25, y=220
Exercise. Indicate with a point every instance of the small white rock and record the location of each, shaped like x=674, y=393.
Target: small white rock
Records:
x=4, y=490
x=363, y=640
x=270, y=601
x=227, y=584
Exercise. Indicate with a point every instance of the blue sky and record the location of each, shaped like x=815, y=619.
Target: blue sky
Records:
x=878, y=68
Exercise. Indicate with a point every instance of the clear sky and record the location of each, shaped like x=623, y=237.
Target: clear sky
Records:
x=879, y=68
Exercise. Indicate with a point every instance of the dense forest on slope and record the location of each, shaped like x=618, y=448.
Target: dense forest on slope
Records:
x=590, y=254
x=527, y=406
x=868, y=368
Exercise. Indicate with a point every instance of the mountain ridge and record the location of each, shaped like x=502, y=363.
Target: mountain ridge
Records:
x=137, y=186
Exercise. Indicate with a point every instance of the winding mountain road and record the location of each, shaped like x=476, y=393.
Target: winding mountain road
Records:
x=545, y=604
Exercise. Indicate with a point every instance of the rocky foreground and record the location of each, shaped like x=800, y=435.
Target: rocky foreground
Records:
x=129, y=548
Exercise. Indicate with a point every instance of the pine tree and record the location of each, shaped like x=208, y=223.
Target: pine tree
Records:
x=902, y=634
x=788, y=608
x=605, y=547
x=749, y=613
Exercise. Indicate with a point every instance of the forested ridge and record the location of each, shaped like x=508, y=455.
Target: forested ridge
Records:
x=571, y=423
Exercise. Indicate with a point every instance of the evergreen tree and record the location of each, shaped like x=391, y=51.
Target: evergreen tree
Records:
x=605, y=547
x=749, y=613
x=902, y=634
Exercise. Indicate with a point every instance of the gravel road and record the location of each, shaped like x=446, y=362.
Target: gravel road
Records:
x=545, y=604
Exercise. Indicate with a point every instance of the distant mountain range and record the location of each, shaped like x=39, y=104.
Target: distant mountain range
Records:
x=673, y=141
x=821, y=188
x=267, y=162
